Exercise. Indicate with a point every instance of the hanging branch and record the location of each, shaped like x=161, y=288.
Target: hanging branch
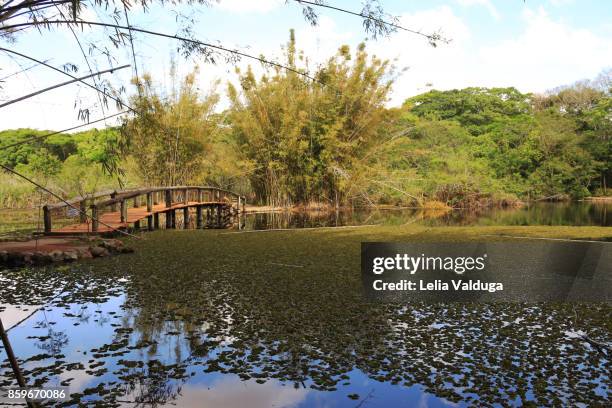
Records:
x=102, y=100
x=21, y=98
x=13, y=362
x=158, y=34
x=371, y=17
x=127, y=21
x=119, y=101
x=21, y=71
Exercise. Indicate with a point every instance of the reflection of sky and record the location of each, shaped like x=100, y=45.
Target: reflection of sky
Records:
x=229, y=391
x=82, y=332
x=10, y=314
x=375, y=394
x=90, y=326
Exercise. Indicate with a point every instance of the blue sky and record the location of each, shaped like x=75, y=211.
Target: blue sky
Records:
x=532, y=45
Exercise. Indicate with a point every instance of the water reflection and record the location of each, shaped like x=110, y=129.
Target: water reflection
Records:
x=241, y=331
x=577, y=214
x=232, y=392
x=13, y=314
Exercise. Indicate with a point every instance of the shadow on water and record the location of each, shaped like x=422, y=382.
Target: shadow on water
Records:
x=239, y=331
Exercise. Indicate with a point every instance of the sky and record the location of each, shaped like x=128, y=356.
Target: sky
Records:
x=531, y=45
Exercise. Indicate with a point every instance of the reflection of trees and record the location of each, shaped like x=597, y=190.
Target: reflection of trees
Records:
x=309, y=219
x=535, y=214
x=312, y=330
x=54, y=341
x=152, y=386
x=312, y=327
x=544, y=213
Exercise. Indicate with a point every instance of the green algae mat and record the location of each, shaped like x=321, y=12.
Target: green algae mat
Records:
x=228, y=318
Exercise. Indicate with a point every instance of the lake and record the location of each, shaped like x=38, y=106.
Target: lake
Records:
x=572, y=213
x=229, y=319
x=581, y=213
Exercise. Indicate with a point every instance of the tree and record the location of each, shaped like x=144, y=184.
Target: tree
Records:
x=302, y=140
x=589, y=105
x=171, y=136
x=521, y=144
x=474, y=108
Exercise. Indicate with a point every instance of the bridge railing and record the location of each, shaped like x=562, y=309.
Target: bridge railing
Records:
x=91, y=207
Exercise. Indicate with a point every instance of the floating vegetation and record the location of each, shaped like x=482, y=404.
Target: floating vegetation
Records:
x=189, y=305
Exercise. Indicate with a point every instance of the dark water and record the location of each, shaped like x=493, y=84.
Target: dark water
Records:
x=576, y=213
x=224, y=319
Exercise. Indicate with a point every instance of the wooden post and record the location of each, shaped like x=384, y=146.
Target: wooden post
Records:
x=244, y=204
x=168, y=198
x=137, y=201
x=94, y=218
x=168, y=219
x=155, y=197
x=149, y=201
x=47, y=219
x=199, y=195
x=186, y=196
x=123, y=209
x=173, y=219
x=238, y=209
x=137, y=224
x=13, y=361
x=83, y=210
x=218, y=215
x=113, y=195
x=185, y=217
x=156, y=221
x=199, y=215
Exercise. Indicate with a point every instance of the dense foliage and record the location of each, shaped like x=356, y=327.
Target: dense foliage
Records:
x=521, y=144
x=286, y=139
x=170, y=137
x=304, y=139
x=71, y=164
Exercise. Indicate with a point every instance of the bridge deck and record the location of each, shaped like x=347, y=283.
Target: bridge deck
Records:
x=111, y=221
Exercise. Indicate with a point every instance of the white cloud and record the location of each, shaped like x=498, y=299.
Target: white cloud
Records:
x=321, y=42
x=250, y=6
x=545, y=54
x=483, y=3
x=425, y=63
x=558, y=3
x=232, y=392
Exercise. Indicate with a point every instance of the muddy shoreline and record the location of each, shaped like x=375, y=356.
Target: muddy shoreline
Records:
x=49, y=250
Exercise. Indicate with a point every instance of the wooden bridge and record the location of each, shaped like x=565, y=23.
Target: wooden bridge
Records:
x=110, y=211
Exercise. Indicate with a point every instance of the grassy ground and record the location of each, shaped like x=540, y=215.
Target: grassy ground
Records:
x=22, y=220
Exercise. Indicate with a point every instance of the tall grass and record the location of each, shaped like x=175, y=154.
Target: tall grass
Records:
x=16, y=193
